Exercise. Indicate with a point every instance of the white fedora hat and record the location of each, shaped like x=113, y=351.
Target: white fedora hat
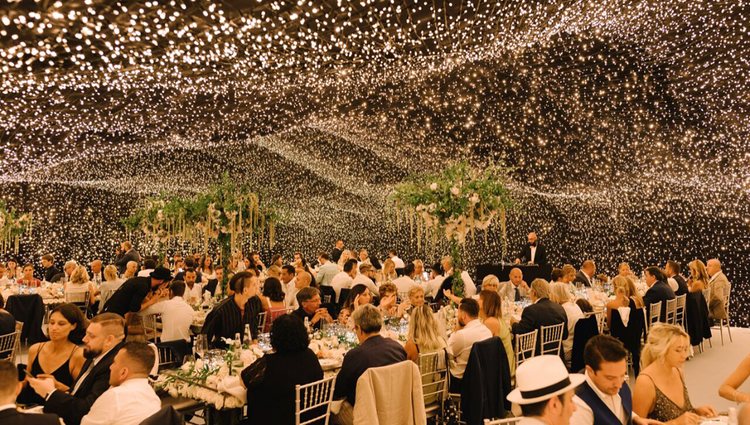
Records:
x=541, y=378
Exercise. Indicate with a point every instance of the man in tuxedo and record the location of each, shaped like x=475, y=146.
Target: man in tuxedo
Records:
x=543, y=312
x=50, y=271
x=658, y=290
x=337, y=250
x=533, y=253
x=672, y=269
x=104, y=338
x=131, y=296
x=585, y=276
x=9, y=389
x=125, y=254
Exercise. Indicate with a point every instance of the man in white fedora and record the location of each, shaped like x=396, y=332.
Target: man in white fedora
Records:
x=545, y=390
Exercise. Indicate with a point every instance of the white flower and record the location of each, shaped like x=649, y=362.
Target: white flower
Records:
x=433, y=186
x=474, y=199
x=455, y=191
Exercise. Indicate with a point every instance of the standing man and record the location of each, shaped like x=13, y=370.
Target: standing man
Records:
x=545, y=391
x=126, y=253
x=131, y=297
x=337, y=250
x=533, y=253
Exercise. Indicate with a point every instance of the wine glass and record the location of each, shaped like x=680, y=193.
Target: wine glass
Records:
x=200, y=345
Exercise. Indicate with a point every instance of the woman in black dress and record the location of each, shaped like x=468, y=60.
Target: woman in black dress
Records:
x=271, y=379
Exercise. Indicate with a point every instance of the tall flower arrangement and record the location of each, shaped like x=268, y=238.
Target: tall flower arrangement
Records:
x=12, y=227
x=455, y=203
x=227, y=212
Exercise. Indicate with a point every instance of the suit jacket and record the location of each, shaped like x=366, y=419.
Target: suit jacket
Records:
x=13, y=417
x=50, y=273
x=507, y=290
x=582, y=278
x=540, y=257
x=718, y=295
x=659, y=291
x=72, y=408
x=129, y=296
x=122, y=259
x=542, y=313
x=335, y=255
x=326, y=272
x=682, y=287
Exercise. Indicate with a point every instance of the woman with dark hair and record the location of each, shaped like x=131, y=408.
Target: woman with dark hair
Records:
x=60, y=357
x=273, y=301
x=277, y=260
x=271, y=379
x=358, y=296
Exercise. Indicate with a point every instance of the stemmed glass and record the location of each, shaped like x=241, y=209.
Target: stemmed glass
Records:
x=200, y=345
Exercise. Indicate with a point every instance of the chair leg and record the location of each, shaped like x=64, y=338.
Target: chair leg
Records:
x=729, y=331
x=721, y=331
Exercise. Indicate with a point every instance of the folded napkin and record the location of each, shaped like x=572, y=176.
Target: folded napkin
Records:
x=232, y=385
x=624, y=315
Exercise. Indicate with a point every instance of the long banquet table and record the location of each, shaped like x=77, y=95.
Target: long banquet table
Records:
x=502, y=271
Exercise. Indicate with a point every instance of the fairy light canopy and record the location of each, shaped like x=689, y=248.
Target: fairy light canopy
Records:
x=626, y=122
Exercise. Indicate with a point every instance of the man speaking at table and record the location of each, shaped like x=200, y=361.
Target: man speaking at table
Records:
x=533, y=253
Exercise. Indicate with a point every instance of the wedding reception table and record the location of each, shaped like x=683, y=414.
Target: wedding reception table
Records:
x=502, y=271
x=30, y=305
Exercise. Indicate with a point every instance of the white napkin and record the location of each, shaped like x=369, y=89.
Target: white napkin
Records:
x=232, y=385
x=624, y=315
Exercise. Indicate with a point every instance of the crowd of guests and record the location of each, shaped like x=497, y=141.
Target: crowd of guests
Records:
x=87, y=373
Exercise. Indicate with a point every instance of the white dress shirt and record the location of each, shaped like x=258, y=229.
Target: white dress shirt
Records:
x=290, y=299
x=399, y=263
x=470, y=289
x=326, y=273
x=145, y=273
x=533, y=254
x=341, y=280
x=361, y=279
x=574, y=313
x=460, y=342
x=585, y=416
x=403, y=283
x=194, y=295
x=433, y=286
x=176, y=318
x=126, y=404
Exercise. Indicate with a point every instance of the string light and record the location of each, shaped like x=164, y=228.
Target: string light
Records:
x=627, y=122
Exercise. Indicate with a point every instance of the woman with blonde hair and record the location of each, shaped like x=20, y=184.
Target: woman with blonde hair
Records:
x=346, y=255
x=491, y=315
x=560, y=294
x=389, y=271
x=660, y=392
x=698, y=280
x=79, y=284
x=111, y=283
x=423, y=336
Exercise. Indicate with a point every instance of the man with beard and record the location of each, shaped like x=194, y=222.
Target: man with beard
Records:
x=533, y=253
x=138, y=293
x=104, y=338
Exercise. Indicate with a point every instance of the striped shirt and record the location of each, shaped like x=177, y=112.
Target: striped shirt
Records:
x=226, y=320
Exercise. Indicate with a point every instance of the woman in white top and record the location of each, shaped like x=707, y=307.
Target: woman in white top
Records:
x=560, y=294
x=207, y=268
x=79, y=284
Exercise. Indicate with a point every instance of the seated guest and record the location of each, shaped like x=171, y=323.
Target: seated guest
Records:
x=326, y=271
x=109, y=286
x=556, y=275
x=623, y=270
x=491, y=283
x=542, y=312
x=271, y=379
x=309, y=307
x=50, y=271
x=516, y=288
x=273, y=300
x=373, y=351
x=584, y=305
x=138, y=293
x=104, y=338
x=568, y=274
x=419, y=277
x=366, y=277
x=658, y=290
x=131, y=269
x=673, y=271
x=415, y=297
x=491, y=315
x=79, y=286
x=718, y=290
x=358, y=297
x=698, y=281
x=206, y=268
x=388, y=273
x=603, y=399
x=193, y=289
x=68, y=268
x=662, y=360
x=545, y=391
x=560, y=294
x=28, y=278
x=389, y=301
x=3, y=275
x=406, y=282
x=344, y=278
x=231, y=315
x=302, y=280
x=97, y=274
x=60, y=357
x=13, y=272
x=729, y=388
x=7, y=321
x=130, y=398
x=176, y=314
x=436, y=281
x=585, y=276
x=468, y=331
x=423, y=336
x=148, y=266
x=9, y=389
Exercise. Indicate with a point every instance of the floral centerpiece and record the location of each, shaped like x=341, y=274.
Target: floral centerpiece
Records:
x=12, y=227
x=456, y=203
x=227, y=212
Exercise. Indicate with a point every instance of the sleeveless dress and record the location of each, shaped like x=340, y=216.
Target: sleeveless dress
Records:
x=664, y=408
x=62, y=374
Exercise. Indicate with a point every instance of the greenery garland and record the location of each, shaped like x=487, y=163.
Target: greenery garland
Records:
x=12, y=227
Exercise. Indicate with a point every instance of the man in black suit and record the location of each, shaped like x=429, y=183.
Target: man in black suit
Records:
x=542, y=312
x=104, y=338
x=658, y=290
x=673, y=269
x=131, y=295
x=337, y=250
x=9, y=389
x=373, y=351
x=125, y=254
x=585, y=276
x=533, y=253
x=50, y=271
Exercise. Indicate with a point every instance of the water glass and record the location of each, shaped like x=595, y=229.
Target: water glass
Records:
x=200, y=345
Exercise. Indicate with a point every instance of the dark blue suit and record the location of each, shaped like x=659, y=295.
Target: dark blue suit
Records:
x=659, y=291
x=376, y=351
